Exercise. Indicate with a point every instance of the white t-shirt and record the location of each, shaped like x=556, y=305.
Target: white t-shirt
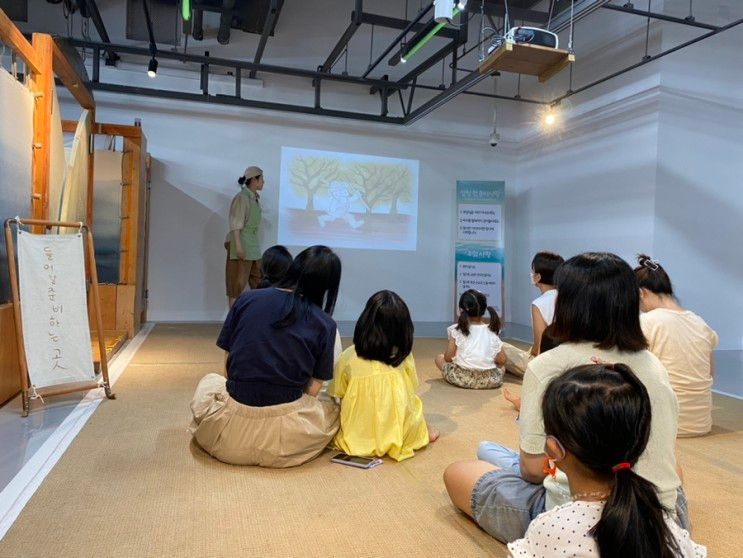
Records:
x=545, y=303
x=656, y=464
x=684, y=342
x=476, y=351
x=563, y=531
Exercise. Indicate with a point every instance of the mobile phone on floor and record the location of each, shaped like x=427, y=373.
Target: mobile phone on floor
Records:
x=354, y=461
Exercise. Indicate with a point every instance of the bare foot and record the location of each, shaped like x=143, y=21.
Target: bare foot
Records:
x=514, y=400
x=433, y=434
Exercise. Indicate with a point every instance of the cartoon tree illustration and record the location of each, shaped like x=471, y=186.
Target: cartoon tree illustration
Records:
x=380, y=183
x=311, y=174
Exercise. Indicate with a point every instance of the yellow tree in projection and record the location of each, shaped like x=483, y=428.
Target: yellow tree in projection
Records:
x=311, y=174
x=381, y=183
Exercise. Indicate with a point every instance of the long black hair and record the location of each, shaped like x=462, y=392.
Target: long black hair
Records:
x=650, y=275
x=384, y=331
x=473, y=304
x=275, y=262
x=314, y=277
x=601, y=415
x=598, y=300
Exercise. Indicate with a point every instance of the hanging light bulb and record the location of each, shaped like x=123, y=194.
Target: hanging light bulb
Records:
x=550, y=118
x=152, y=67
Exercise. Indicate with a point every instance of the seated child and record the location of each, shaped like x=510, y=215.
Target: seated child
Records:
x=275, y=262
x=474, y=358
x=597, y=422
x=375, y=379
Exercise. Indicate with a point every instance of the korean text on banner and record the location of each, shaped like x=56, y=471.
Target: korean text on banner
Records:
x=56, y=334
x=480, y=244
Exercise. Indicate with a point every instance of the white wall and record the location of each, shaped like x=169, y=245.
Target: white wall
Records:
x=699, y=201
x=198, y=153
x=649, y=161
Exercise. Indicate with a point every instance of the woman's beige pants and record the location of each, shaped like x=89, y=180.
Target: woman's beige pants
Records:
x=278, y=436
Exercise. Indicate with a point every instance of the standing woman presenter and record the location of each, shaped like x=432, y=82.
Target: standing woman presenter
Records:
x=243, y=250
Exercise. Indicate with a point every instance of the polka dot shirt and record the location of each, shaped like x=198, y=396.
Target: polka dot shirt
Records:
x=562, y=532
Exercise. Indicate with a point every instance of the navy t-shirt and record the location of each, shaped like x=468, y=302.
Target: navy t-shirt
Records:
x=269, y=365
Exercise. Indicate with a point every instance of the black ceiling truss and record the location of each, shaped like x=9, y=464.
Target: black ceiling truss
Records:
x=237, y=67
x=384, y=87
x=273, y=14
x=627, y=9
x=89, y=8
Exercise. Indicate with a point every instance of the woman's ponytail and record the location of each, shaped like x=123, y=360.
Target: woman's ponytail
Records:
x=632, y=522
x=463, y=323
x=494, y=325
x=242, y=180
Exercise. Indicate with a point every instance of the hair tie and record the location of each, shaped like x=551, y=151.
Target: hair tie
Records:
x=620, y=466
x=651, y=264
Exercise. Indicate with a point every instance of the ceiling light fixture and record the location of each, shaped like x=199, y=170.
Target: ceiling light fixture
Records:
x=152, y=68
x=420, y=44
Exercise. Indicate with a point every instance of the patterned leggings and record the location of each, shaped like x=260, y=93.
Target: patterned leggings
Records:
x=473, y=379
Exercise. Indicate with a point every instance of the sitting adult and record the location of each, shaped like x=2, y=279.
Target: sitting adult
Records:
x=280, y=343
x=683, y=342
x=597, y=319
x=543, y=267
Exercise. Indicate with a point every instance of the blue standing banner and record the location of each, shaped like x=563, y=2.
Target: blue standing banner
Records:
x=480, y=248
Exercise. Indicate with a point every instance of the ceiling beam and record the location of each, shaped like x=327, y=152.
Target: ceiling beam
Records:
x=429, y=63
x=395, y=23
x=89, y=8
x=445, y=96
x=342, y=43
x=663, y=17
x=495, y=8
x=273, y=14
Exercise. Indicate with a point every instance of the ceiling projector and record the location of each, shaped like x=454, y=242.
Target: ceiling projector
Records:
x=532, y=36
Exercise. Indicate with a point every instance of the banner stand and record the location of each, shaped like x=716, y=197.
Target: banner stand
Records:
x=28, y=392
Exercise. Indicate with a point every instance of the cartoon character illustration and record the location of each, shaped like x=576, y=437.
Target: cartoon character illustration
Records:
x=341, y=197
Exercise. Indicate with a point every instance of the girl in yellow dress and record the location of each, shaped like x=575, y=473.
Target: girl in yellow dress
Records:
x=375, y=379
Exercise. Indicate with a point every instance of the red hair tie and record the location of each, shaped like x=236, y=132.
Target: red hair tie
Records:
x=620, y=466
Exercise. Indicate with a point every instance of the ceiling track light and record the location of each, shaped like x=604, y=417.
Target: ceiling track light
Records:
x=406, y=55
x=152, y=67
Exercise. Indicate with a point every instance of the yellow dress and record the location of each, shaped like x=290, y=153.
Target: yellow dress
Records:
x=380, y=412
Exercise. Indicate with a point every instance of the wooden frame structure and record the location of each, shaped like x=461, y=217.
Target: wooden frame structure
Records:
x=44, y=61
x=521, y=58
x=124, y=304
x=94, y=299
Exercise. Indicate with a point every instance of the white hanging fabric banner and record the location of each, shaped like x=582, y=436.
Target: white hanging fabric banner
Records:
x=54, y=311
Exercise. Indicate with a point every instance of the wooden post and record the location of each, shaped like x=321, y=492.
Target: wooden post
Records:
x=42, y=86
x=17, y=316
x=98, y=320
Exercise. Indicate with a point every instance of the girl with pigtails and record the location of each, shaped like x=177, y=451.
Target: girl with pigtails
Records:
x=474, y=357
x=597, y=424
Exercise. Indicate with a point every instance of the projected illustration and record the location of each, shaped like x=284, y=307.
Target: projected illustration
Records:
x=347, y=200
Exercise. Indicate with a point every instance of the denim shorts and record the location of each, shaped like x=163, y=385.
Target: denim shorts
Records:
x=503, y=503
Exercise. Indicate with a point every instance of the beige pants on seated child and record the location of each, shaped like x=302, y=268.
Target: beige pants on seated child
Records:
x=516, y=359
x=472, y=379
x=277, y=436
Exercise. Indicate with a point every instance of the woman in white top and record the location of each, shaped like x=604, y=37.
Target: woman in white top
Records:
x=614, y=512
x=597, y=317
x=683, y=342
x=474, y=356
x=543, y=267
